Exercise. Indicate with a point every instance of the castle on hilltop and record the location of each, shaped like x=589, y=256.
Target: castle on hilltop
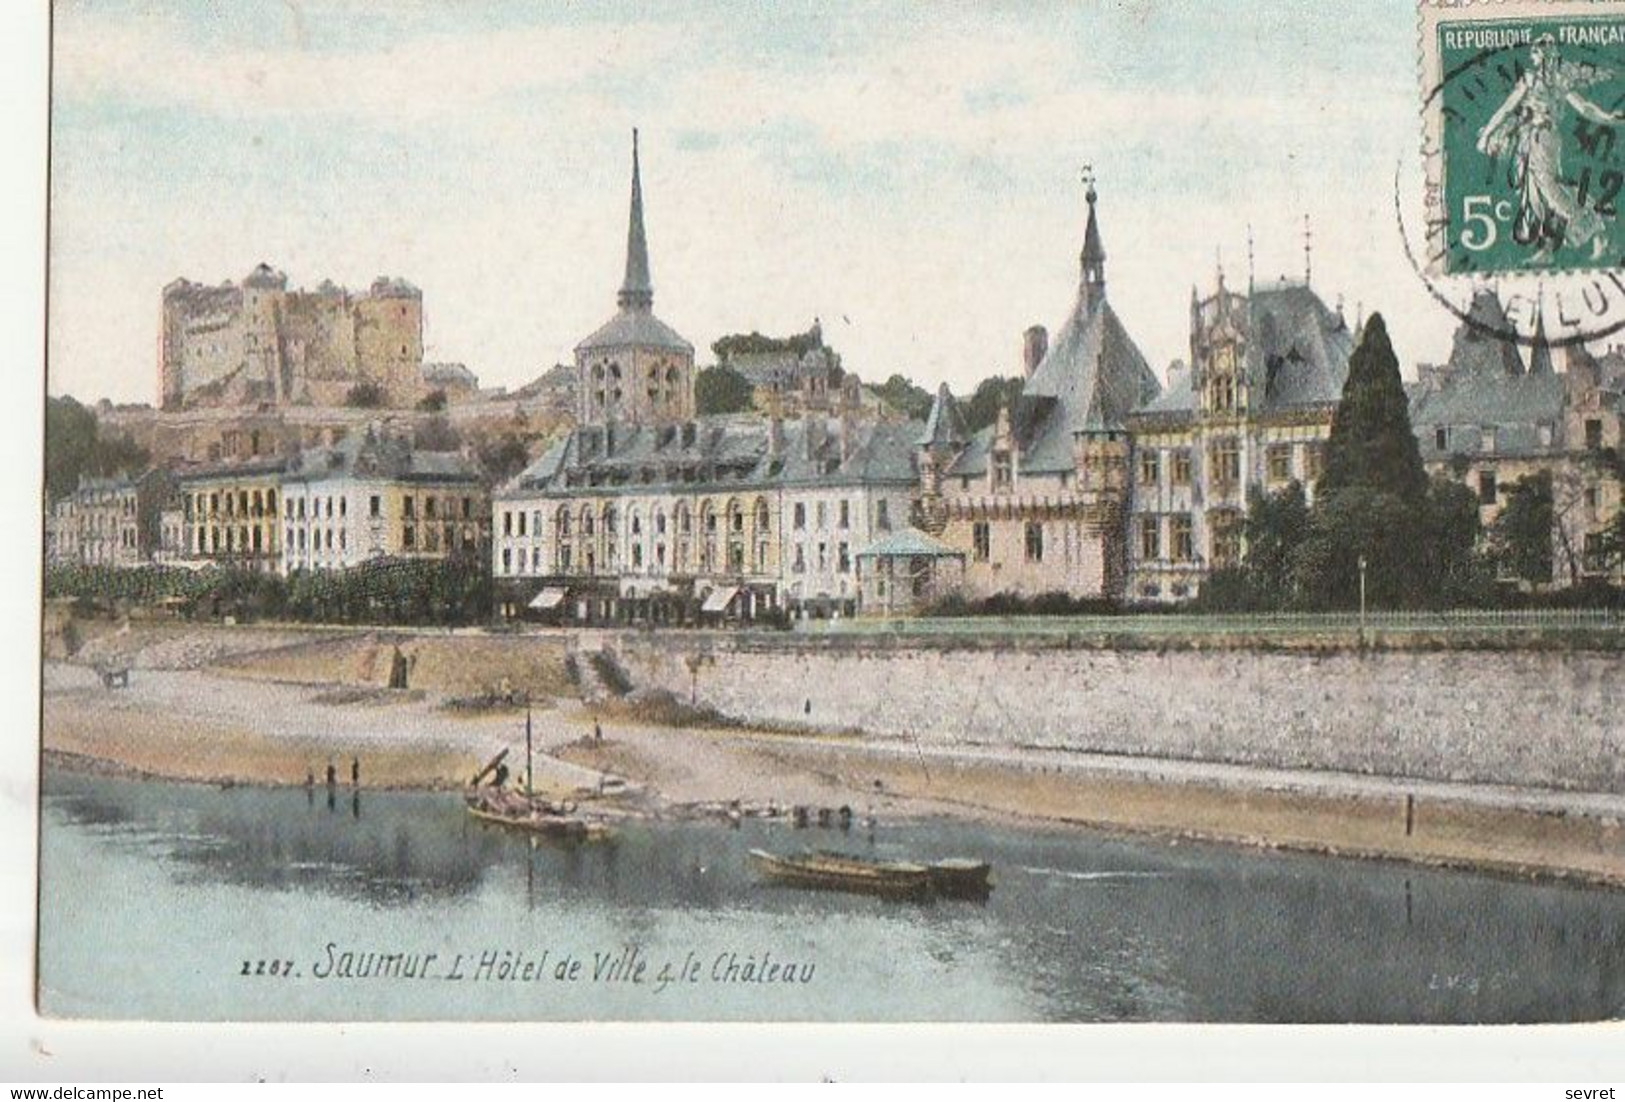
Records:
x=256, y=343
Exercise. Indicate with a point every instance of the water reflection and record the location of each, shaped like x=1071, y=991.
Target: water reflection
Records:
x=1080, y=927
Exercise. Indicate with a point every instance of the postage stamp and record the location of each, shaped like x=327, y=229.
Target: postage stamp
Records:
x=1522, y=105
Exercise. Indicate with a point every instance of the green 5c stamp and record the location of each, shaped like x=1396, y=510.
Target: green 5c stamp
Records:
x=1524, y=135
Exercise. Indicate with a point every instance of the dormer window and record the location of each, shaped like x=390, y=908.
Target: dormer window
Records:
x=1003, y=470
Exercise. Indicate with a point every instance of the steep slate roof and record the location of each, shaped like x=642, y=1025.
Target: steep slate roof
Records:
x=1488, y=388
x=1089, y=380
x=392, y=459
x=724, y=452
x=944, y=425
x=1297, y=355
x=1476, y=348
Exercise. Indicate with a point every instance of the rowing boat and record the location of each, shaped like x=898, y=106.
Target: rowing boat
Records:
x=838, y=872
x=536, y=817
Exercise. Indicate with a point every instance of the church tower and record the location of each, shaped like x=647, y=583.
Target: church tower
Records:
x=635, y=368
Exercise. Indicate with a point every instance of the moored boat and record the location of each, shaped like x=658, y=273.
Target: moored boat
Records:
x=961, y=878
x=533, y=815
x=839, y=872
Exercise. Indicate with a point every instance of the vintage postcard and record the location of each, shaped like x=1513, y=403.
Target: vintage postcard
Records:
x=1069, y=513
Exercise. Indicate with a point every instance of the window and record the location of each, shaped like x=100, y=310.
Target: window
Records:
x=823, y=516
x=1314, y=460
x=1150, y=538
x=883, y=515
x=1184, y=547
x=1591, y=497
x=301, y=508
x=1486, y=487
x=411, y=506
x=1035, y=541
x=1150, y=469
x=428, y=512
x=468, y=508
x=1595, y=553
x=1441, y=438
x=800, y=564
x=1593, y=433
x=1279, y=459
x=507, y=560
x=846, y=515
x=1003, y=470
x=342, y=503
x=521, y=523
x=843, y=558
x=1181, y=472
x=800, y=516
x=373, y=505
x=409, y=538
x=981, y=541
x=1226, y=460
x=507, y=522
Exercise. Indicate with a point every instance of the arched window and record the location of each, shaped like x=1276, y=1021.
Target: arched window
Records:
x=561, y=522
x=761, y=514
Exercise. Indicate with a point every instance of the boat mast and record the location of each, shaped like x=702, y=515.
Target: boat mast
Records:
x=530, y=774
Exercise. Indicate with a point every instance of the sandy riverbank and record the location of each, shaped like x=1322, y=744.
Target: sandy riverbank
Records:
x=230, y=717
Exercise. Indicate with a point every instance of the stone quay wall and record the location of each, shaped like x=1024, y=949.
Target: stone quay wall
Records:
x=1546, y=719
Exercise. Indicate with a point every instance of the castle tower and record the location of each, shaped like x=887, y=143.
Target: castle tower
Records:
x=635, y=367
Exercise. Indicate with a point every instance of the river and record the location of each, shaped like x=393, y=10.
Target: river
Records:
x=166, y=901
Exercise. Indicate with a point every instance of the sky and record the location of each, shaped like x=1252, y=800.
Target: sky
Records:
x=908, y=173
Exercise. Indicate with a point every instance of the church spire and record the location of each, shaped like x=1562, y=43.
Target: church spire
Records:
x=1093, y=257
x=636, y=290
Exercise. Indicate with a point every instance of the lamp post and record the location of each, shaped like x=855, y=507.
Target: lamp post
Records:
x=1362, y=600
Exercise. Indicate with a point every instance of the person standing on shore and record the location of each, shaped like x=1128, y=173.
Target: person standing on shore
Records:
x=355, y=772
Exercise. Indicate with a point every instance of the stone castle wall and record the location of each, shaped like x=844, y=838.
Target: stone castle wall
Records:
x=1544, y=719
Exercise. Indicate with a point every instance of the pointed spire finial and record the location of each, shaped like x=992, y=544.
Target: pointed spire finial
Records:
x=1249, y=258
x=637, y=292
x=1308, y=243
x=1093, y=257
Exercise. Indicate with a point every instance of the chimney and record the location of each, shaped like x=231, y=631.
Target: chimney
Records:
x=1034, y=345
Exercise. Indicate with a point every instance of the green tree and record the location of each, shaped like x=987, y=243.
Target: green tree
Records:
x=1372, y=502
x=1277, y=525
x=503, y=458
x=990, y=395
x=721, y=389
x=74, y=446
x=433, y=402
x=902, y=395
x=70, y=445
x=1371, y=443
x=437, y=434
x=364, y=396
x=1521, y=539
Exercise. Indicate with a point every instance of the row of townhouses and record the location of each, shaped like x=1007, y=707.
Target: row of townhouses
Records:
x=1098, y=481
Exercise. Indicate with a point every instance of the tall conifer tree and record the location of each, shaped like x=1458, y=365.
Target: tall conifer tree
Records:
x=1372, y=446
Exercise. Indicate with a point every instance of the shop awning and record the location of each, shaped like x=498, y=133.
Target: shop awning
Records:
x=719, y=599
x=549, y=598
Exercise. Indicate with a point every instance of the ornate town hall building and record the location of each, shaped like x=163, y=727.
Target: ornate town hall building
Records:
x=1037, y=501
